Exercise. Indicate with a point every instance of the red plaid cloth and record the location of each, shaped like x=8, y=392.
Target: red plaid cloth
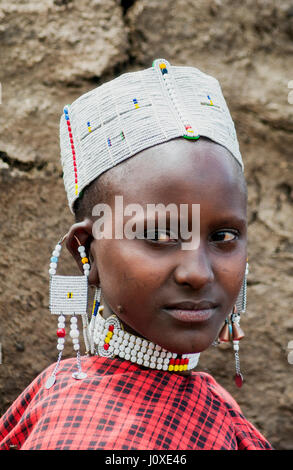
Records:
x=121, y=405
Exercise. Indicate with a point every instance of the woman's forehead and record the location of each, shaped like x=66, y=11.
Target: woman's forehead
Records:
x=177, y=165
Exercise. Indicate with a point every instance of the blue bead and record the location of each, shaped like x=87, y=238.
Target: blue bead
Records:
x=88, y=123
x=164, y=71
x=96, y=308
x=54, y=259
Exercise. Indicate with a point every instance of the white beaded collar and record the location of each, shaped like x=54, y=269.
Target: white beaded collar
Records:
x=111, y=340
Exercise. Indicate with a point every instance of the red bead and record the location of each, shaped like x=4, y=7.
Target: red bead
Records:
x=106, y=346
x=177, y=362
x=72, y=146
x=111, y=327
x=71, y=140
x=238, y=380
x=70, y=135
x=69, y=128
x=171, y=362
x=75, y=180
x=61, y=332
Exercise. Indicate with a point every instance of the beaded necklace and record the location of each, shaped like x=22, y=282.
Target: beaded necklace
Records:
x=111, y=340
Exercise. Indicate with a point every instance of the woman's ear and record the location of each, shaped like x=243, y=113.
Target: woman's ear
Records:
x=81, y=234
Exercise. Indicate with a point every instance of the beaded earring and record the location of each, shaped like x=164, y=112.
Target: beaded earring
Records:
x=69, y=296
x=231, y=331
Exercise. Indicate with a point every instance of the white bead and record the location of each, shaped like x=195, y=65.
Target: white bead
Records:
x=139, y=361
x=152, y=365
x=127, y=350
x=116, y=352
x=143, y=349
x=121, y=354
x=156, y=353
x=75, y=340
x=139, y=354
x=144, y=343
x=61, y=318
x=126, y=337
x=146, y=357
x=163, y=354
x=151, y=346
x=127, y=357
x=110, y=349
x=133, y=358
x=52, y=271
x=56, y=253
x=76, y=347
x=61, y=325
x=53, y=265
x=61, y=340
x=158, y=348
x=138, y=341
x=73, y=320
x=60, y=347
x=86, y=266
x=146, y=363
x=174, y=355
x=159, y=366
x=132, y=338
x=81, y=248
x=136, y=347
x=122, y=347
x=86, y=272
x=160, y=360
x=165, y=367
x=74, y=334
x=121, y=333
x=131, y=345
x=58, y=248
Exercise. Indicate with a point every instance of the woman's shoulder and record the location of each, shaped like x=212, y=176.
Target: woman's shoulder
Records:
x=218, y=391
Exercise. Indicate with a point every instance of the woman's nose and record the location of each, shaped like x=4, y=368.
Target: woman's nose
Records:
x=194, y=268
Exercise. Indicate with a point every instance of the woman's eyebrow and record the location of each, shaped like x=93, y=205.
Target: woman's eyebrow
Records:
x=228, y=220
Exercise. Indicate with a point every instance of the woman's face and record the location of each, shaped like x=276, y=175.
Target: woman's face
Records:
x=153, y=285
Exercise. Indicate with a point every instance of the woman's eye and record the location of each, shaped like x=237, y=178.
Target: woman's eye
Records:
x=161, y=236
x=224, y=236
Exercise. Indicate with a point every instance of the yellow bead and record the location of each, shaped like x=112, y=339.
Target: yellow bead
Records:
x=162, y=66
x=101, y=308
x=176, y=367
x=170, y=368
x=76, y=192
x=185, y=367
x=94, y=305
x=84, y=260
x=107, y=340
x=109, y=334
x=181, y=368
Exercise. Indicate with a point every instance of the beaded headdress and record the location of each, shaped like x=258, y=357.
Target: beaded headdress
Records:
x=138, y=110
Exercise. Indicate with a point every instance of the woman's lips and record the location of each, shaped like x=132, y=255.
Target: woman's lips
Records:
x=189, y=312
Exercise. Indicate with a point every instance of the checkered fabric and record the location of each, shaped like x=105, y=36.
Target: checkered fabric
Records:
x=121, y=405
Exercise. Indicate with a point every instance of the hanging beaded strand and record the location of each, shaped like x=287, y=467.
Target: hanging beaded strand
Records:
x=74, y=332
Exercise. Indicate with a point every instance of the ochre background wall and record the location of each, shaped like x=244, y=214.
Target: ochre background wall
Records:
x=53, y=51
